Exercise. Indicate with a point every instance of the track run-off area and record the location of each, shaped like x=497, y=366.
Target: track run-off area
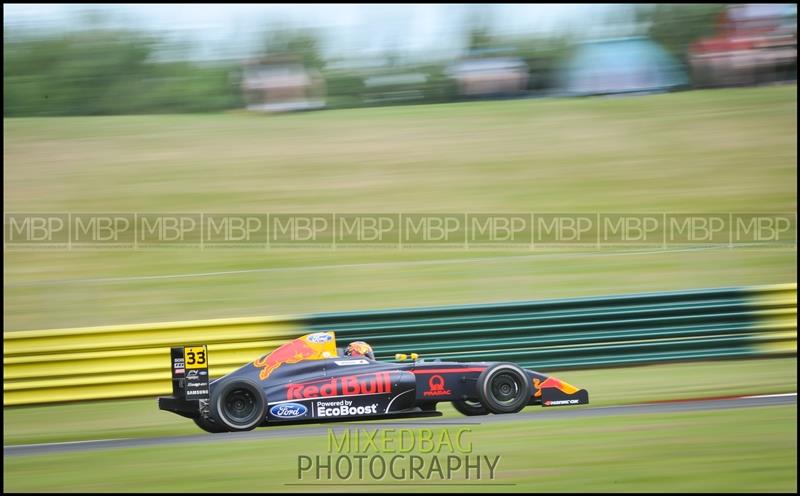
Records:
x=669, y=406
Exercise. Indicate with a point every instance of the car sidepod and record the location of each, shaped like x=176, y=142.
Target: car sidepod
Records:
x=354, y=395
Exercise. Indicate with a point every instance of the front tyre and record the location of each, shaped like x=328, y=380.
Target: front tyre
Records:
x=470, y=408
x=504, y=388
x=239, y=405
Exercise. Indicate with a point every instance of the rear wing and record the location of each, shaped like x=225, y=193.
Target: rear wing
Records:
x=190, y=372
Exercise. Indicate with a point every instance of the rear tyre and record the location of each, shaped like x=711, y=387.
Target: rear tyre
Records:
x=238, y=405
x=209, y=425
x=470, y=408
x=504, y=388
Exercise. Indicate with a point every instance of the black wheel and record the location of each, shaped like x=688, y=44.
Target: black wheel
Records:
x=470, y=408
x=504, y=388
x=238, y=405
x=209, y=425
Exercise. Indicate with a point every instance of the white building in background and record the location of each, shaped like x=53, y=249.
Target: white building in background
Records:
x=282, y=84
x=490, y=76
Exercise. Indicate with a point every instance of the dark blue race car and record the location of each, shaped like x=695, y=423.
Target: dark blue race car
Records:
x=309, y=379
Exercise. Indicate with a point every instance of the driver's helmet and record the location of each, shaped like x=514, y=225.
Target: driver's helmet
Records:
x=359, y=349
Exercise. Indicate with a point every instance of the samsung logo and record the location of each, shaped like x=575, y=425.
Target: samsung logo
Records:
x=288, y=410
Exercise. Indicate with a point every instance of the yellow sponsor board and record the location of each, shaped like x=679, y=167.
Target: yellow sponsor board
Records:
x=195, y=357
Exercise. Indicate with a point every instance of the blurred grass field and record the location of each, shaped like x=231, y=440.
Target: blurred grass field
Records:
x=738, y=450
x=732, y=150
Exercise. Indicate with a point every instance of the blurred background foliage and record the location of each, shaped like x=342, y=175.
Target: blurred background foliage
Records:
x=676, y=26
x=98, y=70
x=103, y=72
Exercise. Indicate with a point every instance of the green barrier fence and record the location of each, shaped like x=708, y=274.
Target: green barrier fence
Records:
x=133, y=360
x=586, y=332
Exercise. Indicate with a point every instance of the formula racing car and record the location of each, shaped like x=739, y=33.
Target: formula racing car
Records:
x=309, y=379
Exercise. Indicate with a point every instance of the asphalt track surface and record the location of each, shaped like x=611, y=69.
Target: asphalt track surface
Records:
x=532, y=414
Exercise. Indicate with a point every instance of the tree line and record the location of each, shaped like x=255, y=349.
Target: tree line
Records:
x=103, y=71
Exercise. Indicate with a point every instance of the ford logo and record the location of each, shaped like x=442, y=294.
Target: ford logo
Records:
x=288, y=410
x=320, y=337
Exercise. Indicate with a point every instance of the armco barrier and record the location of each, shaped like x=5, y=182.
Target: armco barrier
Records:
x=130, y=360
x=133, y=360
x=587, y=332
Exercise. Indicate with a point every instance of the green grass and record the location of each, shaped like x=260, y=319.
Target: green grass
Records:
x=732, y=150
x=740, y=450
x=701, y=151
x=141, y=418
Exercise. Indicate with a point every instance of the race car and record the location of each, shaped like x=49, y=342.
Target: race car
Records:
x=310, y=380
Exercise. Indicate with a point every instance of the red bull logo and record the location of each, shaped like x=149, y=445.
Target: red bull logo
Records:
x=292, y=352
x=348, y=385
x=436, y=387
